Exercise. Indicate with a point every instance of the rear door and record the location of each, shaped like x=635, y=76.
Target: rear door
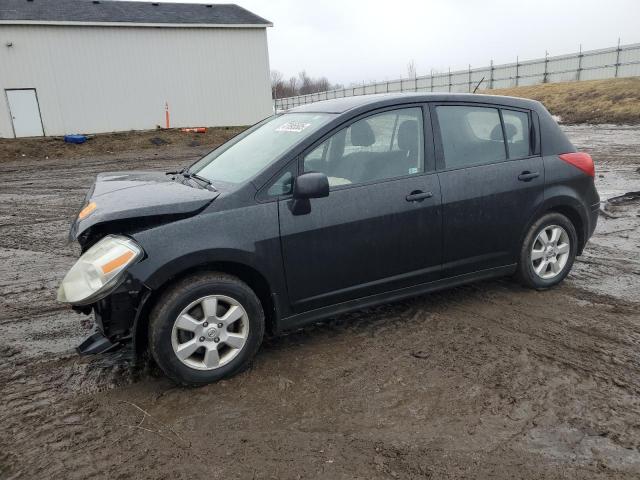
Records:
x=490, y=186
x=380, y=227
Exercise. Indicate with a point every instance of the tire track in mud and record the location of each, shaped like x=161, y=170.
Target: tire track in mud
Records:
x=48, y=412
x=47, y=437
x=486, y=380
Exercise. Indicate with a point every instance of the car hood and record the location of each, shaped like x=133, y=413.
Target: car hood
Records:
x=121, y=196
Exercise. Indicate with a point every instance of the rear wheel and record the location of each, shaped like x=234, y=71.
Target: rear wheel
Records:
x=548, y=252
x=205, y=328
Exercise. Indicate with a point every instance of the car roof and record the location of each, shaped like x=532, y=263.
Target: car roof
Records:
x=345, y=104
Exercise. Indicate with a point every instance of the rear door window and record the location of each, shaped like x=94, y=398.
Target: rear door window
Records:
x=470, y=135
x=518, y=131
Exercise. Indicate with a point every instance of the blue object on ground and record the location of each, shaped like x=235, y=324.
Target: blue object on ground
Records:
x=75, y=138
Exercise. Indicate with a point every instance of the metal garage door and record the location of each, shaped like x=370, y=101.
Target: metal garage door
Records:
x=25, y=113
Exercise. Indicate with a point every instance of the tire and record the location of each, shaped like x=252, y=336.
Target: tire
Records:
x=531, y=270
x=193, y=336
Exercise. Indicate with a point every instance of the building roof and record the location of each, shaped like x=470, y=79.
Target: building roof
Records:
x=110, y=12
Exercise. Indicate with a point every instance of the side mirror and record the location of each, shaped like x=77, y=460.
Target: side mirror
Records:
x=306, y=186
x=311, y=185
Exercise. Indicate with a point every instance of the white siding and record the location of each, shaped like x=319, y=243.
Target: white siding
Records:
x=103, y=79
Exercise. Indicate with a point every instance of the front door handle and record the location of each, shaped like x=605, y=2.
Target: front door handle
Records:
x=418, y=196
x=527, y=176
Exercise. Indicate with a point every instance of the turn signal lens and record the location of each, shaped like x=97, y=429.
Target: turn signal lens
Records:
x=117, y=262
x=98, y=270
x=580, y=160
x=87, y=210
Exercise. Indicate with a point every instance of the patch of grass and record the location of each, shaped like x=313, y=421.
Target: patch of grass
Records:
x=593, y=101
x=102, y=143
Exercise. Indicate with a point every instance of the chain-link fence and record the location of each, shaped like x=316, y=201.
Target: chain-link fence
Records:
x=620, y=61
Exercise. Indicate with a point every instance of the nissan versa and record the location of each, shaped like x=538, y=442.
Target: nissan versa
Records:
x=327, y=208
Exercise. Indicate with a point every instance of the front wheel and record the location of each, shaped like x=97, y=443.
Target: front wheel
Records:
x=548, y=252
x=205, y=328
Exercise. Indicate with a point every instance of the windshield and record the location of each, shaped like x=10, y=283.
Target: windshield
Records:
x=243, y=157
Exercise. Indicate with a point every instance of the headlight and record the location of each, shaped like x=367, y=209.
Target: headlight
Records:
x=98, y=270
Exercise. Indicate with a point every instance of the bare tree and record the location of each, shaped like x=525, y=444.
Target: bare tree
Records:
x=411, y=69
x=303, y=84
x=277, y=83
x=322, y=84
x=293, y=86
x=306, y=83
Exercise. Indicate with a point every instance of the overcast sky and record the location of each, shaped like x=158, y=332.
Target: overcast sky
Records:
x=358, y=40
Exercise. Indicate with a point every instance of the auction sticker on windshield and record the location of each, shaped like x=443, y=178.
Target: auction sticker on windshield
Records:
x=295, y=127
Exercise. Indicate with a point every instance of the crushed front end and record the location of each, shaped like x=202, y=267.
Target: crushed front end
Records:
x=115, y=318
x=99, y=282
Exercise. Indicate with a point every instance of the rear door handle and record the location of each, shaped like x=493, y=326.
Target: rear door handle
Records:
x=527, y=176
x=418, y=196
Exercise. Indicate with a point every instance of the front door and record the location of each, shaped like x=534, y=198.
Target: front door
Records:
x=490, y=187
x=380, y=227
x=25, y=113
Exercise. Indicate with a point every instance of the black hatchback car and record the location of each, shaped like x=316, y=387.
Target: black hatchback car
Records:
x=326, y=208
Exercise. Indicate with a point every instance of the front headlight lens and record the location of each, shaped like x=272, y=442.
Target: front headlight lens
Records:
x=98, y=269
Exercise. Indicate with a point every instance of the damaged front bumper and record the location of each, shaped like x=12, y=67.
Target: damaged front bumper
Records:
x=117, y=318
x=96, y=343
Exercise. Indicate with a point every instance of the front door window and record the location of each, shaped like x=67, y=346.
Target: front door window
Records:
x=383, y=146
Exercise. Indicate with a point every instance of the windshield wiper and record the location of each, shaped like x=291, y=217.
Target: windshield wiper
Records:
x=188, y=175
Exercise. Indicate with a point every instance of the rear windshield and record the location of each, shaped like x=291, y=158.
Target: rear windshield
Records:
x=246, y=155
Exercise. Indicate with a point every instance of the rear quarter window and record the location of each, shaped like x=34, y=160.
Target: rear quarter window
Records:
x=518, y=130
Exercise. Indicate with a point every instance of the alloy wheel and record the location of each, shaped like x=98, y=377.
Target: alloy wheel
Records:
x=210, y=332
x=550, y=252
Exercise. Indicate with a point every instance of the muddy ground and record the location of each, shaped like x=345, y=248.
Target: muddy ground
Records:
x=484, y=381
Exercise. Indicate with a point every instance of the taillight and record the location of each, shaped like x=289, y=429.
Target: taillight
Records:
x=580, y=160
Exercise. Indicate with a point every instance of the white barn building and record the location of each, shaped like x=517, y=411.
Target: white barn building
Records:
x=91, y=66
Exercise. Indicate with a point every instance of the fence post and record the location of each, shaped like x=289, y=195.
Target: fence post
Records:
x=432, y=79
x=517, y=70
x=579, y=63
x=617, y=58
x=546, y=61
x=449, y=79
x=469, y=78
x=491, y=75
